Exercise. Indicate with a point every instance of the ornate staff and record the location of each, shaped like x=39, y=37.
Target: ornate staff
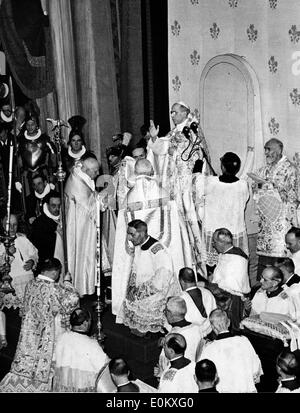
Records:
x=61, y=175
x=99, y=305
x=8, y=241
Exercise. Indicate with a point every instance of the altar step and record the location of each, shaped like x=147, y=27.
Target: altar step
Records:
x=141, y=353
x=13, y=327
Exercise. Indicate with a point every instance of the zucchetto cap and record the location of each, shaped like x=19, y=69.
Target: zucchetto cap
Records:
x=183, y=104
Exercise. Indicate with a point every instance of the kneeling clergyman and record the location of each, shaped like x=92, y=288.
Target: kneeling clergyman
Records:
x=151, y=282
x=46, y=313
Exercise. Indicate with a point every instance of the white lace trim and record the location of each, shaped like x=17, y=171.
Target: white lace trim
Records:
x=44, y=277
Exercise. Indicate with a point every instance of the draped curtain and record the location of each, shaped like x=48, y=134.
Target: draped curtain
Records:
x=26, y=41
x=66, y=95
x=131, y=68
x=96, y=73
x=155, y=63
x=106, y=59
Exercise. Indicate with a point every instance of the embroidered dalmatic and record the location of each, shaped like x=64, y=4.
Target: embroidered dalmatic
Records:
x=276, y=203
x=47, y=307
x=151, y=282
x=150, y=203
x=80, y=202
x=172, y=164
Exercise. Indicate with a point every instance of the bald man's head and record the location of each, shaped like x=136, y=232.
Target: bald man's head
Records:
x=187, y=278
x=219, y=320
x=143, y=167
x=175, y=345
x=175, y=309
x=273, y=151
x=90, y=166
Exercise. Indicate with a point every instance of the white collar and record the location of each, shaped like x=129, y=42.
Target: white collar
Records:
x=76, y=155
x=44, y=277
x=288, y=379
x=6, y=118
x=190, y=118
x=289, y=279
x=124, y=384
x=283, y=158
x=145, y=241
x=227, y=249
x=85, y=177
x=191, y=288
x=49, y=215
x=32, y=138
x=143, y=177
x=46, y=191
x=176, y=358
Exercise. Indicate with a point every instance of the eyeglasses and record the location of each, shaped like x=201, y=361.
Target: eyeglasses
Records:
x=265, y=279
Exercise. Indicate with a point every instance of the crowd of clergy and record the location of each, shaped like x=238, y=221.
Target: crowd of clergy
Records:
x=163, y=239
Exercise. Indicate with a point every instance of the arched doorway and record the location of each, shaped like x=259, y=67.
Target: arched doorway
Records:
x=231, y=112
x=230, y=108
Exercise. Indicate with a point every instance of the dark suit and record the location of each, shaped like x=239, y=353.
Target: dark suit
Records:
x=34, y=206
x=4, y=154
x=43, y=236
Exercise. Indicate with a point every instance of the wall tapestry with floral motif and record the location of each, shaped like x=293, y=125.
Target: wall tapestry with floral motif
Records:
x=265, y=32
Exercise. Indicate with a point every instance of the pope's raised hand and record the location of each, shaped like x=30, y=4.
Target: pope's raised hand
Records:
x=153, y=130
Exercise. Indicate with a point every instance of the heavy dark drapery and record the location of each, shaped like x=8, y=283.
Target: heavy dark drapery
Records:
x=25, y=38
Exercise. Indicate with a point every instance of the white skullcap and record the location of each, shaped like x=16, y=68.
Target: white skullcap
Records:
x=143, y=167
x=183, y=104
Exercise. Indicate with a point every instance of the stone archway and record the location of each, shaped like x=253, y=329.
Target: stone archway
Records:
x=230, y=110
